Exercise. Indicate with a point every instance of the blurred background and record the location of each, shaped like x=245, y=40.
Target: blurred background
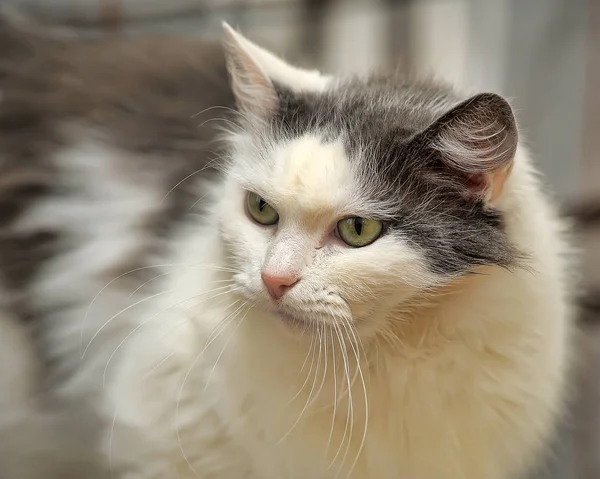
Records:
x=542, y=54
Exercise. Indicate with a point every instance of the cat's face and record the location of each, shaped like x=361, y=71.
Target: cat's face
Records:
x=344, y=200
x=309, y=248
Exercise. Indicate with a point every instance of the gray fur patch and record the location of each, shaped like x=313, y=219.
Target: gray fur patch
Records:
x=389, y=126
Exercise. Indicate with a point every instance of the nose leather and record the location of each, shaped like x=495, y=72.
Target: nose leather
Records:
x=277, y=285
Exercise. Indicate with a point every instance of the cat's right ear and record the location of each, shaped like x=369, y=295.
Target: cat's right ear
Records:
x=254, y=92
x=476, y=141
x=253, y=72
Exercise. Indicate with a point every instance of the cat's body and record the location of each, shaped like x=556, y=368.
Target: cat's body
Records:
x=140, y=285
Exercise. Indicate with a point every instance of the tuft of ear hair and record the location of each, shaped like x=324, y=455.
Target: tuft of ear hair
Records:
x=477, y=139
x=254, y=72
x=253, y=90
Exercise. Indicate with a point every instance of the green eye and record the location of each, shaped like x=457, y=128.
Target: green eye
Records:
x=261, y=211
x=359, y=232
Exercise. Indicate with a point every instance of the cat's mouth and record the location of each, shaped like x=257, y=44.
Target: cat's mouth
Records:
x=298, y=319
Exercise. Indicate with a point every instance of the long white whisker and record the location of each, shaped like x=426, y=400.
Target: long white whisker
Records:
x=110, y=442
x=312, y=363
x=121, y=312
x=182, y=181
x=146, y=321
x=228, y=340
x=172, y=272
x=335, y=398
x=323, y=340
x=309, y=394
x=87, y=312
x=349, y=412
x=347, y=450
x=196, y=359
x=197, y=201
x=162, y=361
x=312, y=342
x=148, y=282
x=192, y=266
x=222, y=326
x=364, y=386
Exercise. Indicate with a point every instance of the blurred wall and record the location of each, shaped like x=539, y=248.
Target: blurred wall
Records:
x=533, y=51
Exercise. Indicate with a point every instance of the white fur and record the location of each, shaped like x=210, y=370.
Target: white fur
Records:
x=297, y=79
x=212, y=381
x=467, y=386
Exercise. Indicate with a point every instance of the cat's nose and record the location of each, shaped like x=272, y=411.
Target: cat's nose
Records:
x=277, y=285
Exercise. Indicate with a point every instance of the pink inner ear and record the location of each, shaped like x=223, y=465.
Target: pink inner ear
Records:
x=478, y=140
x=252, y=88
x=478, y=183
x=487, y=186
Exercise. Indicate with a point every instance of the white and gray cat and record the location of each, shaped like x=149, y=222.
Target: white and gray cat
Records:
x=369, y=284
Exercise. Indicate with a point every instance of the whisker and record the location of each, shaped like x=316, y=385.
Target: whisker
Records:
x=177, y=412
x=181, y=392
x=222, y=325
x=110, y=442
x=228, y=340
x=148, y=282
x=87, y=312
x=350, y=435
x=214, y=107
x=323, y=340
x=364, y=437
x=335, y=398
x=309, y=394
x=197, y=201
x=162, y=361
x=349, y=412
x=221, y=107
x=312, y=342
x=224, y=120
x=146, y=321
x=193, y=266
x=312, y=363
x=121, y=312
x=184, y=180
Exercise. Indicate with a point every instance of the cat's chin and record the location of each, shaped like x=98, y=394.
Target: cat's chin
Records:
x=295, y=322
x=298, y=326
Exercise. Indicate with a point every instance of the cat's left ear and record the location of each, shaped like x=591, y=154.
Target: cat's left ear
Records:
x=254, y=72
x=477, y=140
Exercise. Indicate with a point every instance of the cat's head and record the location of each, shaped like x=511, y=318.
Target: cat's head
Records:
x=344, y=199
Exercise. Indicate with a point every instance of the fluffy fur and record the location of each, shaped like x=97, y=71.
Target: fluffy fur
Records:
x=437, y=352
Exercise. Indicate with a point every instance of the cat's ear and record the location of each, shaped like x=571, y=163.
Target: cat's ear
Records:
x=254, y=71
x=477, y=140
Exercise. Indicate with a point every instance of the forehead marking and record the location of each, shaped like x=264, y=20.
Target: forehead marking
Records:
x=315, y=174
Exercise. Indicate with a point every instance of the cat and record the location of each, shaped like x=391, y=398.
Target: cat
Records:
x=298, y=275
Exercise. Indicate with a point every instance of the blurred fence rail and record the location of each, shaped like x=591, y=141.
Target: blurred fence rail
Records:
x=94, y=11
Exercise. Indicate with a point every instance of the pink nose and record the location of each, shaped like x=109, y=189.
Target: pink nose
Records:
x=278, y=285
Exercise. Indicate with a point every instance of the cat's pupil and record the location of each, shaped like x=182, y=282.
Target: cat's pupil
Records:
x=261, y=204
x=358, y=226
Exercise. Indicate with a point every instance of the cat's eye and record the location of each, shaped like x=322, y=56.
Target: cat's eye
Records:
x=261, y=211
x=358, y=232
